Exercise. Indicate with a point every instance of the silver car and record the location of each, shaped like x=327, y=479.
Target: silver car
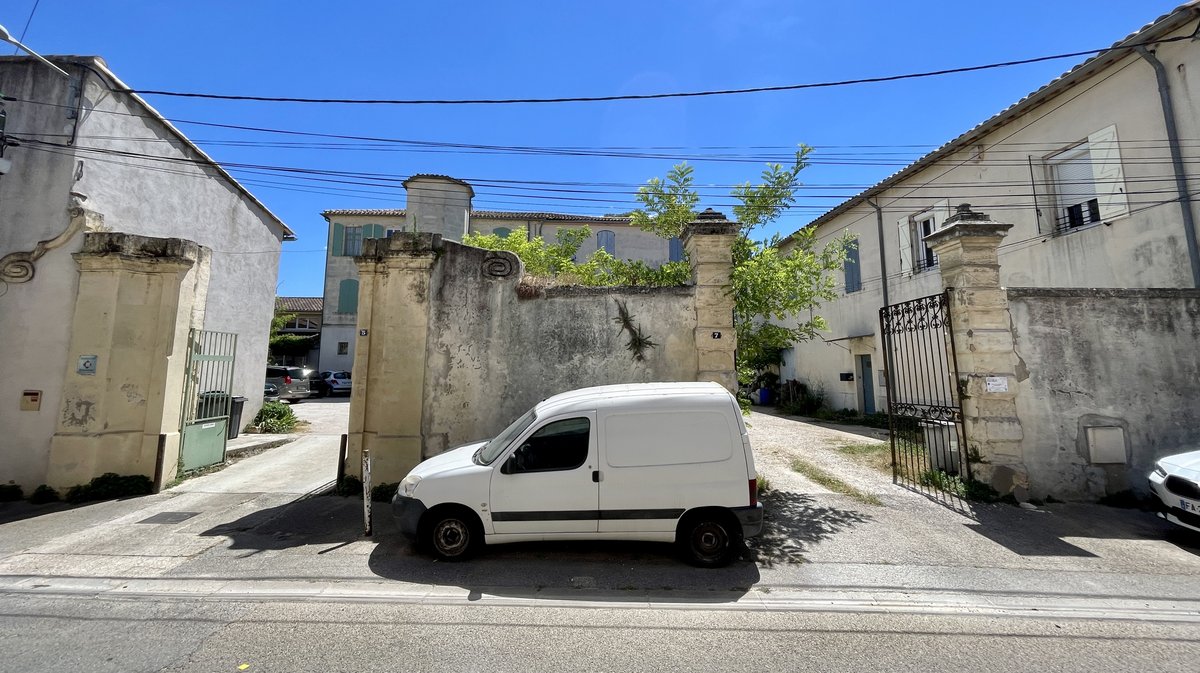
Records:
x=291, y=382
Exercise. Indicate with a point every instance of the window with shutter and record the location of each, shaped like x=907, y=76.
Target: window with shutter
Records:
x=338, y=238
x=348, y=296
x=352, y=241
x=607, y=241
x=851, y=268
x=1088, y=182
x=502, y=232
x=675, y=250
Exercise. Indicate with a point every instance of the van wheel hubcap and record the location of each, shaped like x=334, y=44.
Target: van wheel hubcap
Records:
x=451, y=537
x=709, y=540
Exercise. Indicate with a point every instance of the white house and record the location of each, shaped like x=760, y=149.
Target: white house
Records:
x=1096, y=171
x=88, y=157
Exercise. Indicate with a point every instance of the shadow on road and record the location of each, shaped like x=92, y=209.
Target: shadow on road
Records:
x=794, y=522
x=609, y=571
x=1044, y=532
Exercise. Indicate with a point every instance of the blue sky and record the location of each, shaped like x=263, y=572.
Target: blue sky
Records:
x=566, y=48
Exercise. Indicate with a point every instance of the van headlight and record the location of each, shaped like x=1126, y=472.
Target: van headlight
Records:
x=409, y=485
x=1158, y=469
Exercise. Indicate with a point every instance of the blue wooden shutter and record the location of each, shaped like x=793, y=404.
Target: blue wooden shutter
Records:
x=675, y=250
x=853, y=272
x=348, y=296
x=339, y=235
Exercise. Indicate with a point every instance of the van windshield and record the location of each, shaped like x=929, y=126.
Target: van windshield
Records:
x=494, y=448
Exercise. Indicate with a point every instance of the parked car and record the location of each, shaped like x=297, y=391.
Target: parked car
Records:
x=270, y=392
x=316, y=383
x=291, y=382
x=664, y=462
x=338, y=382
x=1175, y=484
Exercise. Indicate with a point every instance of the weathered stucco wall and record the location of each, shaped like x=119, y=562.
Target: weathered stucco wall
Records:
x=492, y=355
x=171, y=197
x=1105, y=358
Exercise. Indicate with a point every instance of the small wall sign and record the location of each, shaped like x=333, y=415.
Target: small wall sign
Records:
x=86, y=365
x=716, y=335
x=362, y=332
x=996, y=384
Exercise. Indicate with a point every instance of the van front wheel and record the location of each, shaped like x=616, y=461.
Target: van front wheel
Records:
x=451, y=534
x=710, y=539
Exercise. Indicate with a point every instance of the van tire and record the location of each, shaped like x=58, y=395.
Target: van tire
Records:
x=451, y=533
x=709, y=538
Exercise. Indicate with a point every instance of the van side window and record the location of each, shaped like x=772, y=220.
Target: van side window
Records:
x=560, y=445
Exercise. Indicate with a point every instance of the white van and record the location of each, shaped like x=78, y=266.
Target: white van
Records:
x=653, y=461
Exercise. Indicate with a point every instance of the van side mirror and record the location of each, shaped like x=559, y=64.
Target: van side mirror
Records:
x=507, y=466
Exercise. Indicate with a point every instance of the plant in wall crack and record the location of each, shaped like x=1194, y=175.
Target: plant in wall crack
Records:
x=638, y=341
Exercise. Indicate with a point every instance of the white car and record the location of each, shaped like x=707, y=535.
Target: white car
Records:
x=339, y=383
x=1175, y=484
x=667, y=462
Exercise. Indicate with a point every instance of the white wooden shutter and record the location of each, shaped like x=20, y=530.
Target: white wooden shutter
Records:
x=1107, y=173
x=941, y=213
x=904, y=235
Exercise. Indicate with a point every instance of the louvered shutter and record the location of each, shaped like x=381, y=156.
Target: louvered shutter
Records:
x=1109, y=179
x=904, y=235
x=339, y=235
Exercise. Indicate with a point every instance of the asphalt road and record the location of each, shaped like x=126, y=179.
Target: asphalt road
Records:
x=100, y=635
x=246, y=567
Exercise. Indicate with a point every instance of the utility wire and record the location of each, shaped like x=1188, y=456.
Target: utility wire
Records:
x=655, y=96
x=25, y=30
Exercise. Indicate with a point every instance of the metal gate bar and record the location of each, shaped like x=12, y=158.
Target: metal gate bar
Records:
x=924, y=407
x=207, y=397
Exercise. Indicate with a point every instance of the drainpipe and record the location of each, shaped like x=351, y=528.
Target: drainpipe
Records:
x=882, y=257
x=1181, y=184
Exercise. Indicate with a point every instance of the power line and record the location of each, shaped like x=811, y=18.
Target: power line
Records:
x=656, y=96
x=25, y=30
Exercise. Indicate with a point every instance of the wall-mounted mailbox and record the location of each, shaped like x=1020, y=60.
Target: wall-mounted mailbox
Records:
x=31, y=400
x=846, y=376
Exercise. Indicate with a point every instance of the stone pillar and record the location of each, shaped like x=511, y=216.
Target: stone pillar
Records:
x=124, y=378
x=389, y=353
x=708, y=241
x=984, y=347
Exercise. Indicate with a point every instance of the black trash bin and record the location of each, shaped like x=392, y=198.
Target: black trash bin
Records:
x=235, y=417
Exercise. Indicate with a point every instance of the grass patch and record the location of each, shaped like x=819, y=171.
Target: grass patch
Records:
x=832, y=483
x=876, y=456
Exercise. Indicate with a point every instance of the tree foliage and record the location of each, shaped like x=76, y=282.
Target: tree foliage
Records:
x=557, y=260
x=280, y=344
x=776, y=285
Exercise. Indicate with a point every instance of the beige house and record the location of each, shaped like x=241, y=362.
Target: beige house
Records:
x=442, y=205
x=1096, y=171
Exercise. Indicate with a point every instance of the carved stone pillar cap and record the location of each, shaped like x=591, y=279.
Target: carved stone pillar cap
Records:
x=710, y=222
x=967, y=223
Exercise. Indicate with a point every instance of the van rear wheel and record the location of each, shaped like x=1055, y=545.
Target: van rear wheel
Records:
x=451, y=534
x=710, y=539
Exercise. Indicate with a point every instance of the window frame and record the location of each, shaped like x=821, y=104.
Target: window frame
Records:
x=507, y=465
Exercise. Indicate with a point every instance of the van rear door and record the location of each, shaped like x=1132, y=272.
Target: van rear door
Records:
x=657, y=464
x=545, y=484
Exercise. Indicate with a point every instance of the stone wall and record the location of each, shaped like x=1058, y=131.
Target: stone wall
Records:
x=452, y=345
x=1125, y=363
x=491, y=354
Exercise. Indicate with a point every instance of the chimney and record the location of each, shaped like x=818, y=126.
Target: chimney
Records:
x=438, y=204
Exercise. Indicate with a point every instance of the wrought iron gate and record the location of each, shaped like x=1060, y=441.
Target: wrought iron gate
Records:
x=207, y=397
x=924, y=406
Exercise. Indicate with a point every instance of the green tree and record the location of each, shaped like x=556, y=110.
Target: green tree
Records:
x=775, y=293
x=288, y=344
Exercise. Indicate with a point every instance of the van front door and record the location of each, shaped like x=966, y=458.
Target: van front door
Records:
x=546, y=484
